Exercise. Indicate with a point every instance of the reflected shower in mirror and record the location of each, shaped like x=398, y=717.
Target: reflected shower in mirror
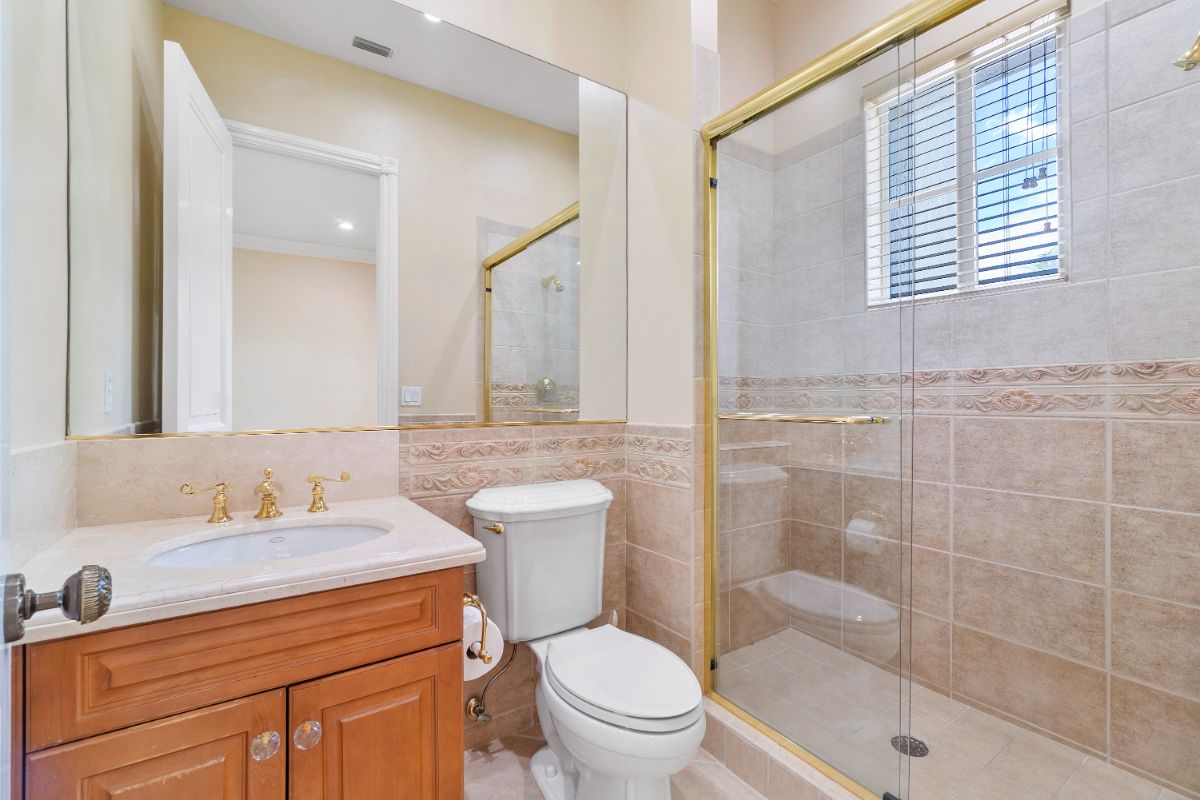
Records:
x=278, y=213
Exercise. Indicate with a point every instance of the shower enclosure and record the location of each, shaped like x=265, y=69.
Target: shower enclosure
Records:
x=953, y=366
x=531, y=315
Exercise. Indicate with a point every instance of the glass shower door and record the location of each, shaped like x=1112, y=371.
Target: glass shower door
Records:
x=813, y=552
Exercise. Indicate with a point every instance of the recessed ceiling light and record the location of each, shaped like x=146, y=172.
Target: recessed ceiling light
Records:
x=345, y=224
x=432, y=18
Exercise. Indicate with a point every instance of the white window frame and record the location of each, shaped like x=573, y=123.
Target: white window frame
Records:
x=965, y=178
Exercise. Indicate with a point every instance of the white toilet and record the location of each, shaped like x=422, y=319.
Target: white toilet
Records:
x=620, y=713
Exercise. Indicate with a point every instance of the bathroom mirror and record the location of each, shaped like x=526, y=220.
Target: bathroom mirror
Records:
x=280, y=214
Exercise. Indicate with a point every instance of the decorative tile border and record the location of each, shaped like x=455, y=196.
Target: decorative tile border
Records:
x=581, y=467
x=1067, y=389
x=659, y=470
x=465, y=478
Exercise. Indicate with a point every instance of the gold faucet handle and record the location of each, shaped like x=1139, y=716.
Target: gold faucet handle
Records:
x=318, y=490
x=268, y=485
x=220, y=512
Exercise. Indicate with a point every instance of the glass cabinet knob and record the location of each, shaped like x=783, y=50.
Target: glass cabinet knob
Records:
x=307, y=734
x=265, y=745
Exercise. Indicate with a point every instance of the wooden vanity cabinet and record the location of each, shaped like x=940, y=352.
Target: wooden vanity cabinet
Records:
x=201, y=755
x=284, y=699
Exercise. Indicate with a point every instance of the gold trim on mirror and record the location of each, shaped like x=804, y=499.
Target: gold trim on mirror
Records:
x=516, y=246
x=513, y=248
x=430, y=427
x=912, y=19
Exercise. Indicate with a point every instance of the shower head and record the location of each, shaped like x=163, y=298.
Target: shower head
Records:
x=558, y=284
x=1191, y=59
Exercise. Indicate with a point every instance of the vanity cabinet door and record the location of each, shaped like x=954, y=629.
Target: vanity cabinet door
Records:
x=389, y=731
x=225, y=752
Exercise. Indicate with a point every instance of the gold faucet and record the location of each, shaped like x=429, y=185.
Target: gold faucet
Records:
x=268, y=492
x=318, y=490
x=220, y=512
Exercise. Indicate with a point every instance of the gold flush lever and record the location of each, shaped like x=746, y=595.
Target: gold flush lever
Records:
x=496, y=528
x=220, y=512
x=482, y=653
x=318, y=490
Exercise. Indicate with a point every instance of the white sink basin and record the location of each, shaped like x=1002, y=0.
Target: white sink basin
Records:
x=272, y=544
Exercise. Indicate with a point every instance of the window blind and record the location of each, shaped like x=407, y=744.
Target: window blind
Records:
x=963, y=172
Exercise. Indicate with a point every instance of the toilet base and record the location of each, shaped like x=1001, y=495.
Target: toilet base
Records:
x=548, y=775
x=558, y=785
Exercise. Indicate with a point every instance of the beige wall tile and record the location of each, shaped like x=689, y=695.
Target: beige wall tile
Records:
x=1156, y=732
x=1064, y=458
x=882, y=568
x=816, y=496
x=873, y=505
x=759, y=551
x=677, y=643
x=1157, y=642
x=659, y=588
x=757, y=610
x=129, y=480
x=1061, y=616
x=1156, y=553
x=813, y=445
x=816, y=550
x=657, y=518
x=1058, y=695
x=758, y=495
x=746, y=761
x=1063, y=537
x=1155, y=464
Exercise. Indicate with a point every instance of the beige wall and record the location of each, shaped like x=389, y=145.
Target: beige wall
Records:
x=39, y=223
x=116, y=213
x=585, y=36
x=662, y=187
x=603, y=186
x=305, y=342
x=458, y=162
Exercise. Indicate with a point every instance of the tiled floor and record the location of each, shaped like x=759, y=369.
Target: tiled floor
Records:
x=846, y=710
x=500, y=771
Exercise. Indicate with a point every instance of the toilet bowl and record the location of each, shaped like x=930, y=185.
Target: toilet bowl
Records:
x=620, y=714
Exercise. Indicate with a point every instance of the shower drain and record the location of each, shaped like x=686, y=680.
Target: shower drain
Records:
x=910, y=746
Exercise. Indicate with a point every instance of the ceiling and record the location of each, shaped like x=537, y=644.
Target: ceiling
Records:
x=436, y=55
x=281, y=198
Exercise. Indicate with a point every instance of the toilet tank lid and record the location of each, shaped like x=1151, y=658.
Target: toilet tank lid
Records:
x=540, y=500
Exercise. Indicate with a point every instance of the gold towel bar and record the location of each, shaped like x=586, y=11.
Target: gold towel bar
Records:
x=811, y=419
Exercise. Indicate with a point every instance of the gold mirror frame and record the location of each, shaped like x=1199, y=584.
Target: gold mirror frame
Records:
x=910, y=21
x=517, y=246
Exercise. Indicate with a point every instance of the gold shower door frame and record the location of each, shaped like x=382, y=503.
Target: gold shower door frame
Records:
x=910, y=21
x=516, y=247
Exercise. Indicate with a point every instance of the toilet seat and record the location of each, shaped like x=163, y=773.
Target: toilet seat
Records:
x=624, y=680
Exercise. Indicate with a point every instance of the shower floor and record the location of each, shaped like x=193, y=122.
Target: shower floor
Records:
x=845, y=710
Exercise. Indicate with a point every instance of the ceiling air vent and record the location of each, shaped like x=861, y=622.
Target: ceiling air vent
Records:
x=372, y=47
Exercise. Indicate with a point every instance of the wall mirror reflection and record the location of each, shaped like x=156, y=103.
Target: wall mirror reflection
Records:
x=280, y=215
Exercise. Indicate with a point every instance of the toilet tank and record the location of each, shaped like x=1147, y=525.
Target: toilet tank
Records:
x=544, y=574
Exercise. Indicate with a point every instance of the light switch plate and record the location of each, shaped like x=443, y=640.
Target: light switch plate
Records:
x=410, y=395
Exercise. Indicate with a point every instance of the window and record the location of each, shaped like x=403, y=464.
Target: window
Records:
x=964, y=172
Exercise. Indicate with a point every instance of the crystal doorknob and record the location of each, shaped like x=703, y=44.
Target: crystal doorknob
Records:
x=307, y=735
x=85, y=596
x=265, y=745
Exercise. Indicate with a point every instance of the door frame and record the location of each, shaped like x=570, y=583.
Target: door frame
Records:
x=387, y=239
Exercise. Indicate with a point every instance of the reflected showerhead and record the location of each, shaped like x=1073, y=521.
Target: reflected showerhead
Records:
x=558, y=284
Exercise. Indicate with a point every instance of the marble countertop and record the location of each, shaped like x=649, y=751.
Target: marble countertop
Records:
x=416, y=541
